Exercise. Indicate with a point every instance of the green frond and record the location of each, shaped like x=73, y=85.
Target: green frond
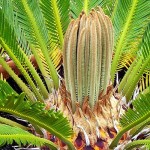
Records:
x=20, y=57
x=133, y=117
x=137, y=144
x=147, y=90
x=8, y=11
x=139, y=127
x=6, y=89
x=115, y=5
x=56, y=56
x=26, y=45
x=140, y=110
x=137, y=68
x=51, y=120
x=1, y=77
x=24, y=20
x=12, y=123
x=147, y=146
x=9, y=134
x=130, y=19
x=21, y=84
x=56, y=14
x=31, y=20
x=145, y=81
x=77, y=6
x=126, y=59
x=108, y=7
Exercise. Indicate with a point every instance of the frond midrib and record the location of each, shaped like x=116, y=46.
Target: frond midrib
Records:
x=58, y=22
x=41, y=43
x=137, y=143
x=40, y=123
x=12, y=123
x=26, y=137
x=128, y=127
x=21, y=84
x=121, y=39
x=86, y=6
x=22, y=70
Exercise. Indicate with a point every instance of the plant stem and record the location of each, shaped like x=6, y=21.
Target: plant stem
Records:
x=12, y=123
x=17, y=79
x=58, y=22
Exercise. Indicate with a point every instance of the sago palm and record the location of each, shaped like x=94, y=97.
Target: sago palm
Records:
x=96, y=39
x=88, y=49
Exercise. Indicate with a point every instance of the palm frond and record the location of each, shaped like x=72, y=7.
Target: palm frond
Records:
x=20, y=57
x=31, y=20
x=21, y=84
x=9, y=134
x=51, y=120
x=144, y=81
x=126, y=60
x=6, y=89
x=137, y=129
x=109, y=6
x=77, y=6
x=140, y=110
x=24, y=20
x=56, y=57
x=133, y=117
x=130, y=19
x=138, y=67
x=12, y=123
x=56, y=14
x=10, y=16
x=147, y=90
x=137, y=144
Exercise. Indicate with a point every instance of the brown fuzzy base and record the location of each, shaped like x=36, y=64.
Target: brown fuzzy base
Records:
x=94, y=129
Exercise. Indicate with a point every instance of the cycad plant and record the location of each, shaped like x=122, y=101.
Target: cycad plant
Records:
x=34, y=112
x=97, y=39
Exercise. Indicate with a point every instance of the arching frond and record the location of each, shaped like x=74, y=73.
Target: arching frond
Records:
x=145, y=80
x=24, y=11
x=21, y=42
x=6, y=121
x=138, y=67
x=56, y=14
x=51, y=120
x=126, y=61
x=108, y=7
x=17, y=80
x=31, y=20
x=9, y=134
x=56, y=57
x=147, y=90
x=133, y=117
x=130, y=19
x=137, y=144
x=20, y=57
x=140, y=110
x=77, y=6
x=139, y=128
